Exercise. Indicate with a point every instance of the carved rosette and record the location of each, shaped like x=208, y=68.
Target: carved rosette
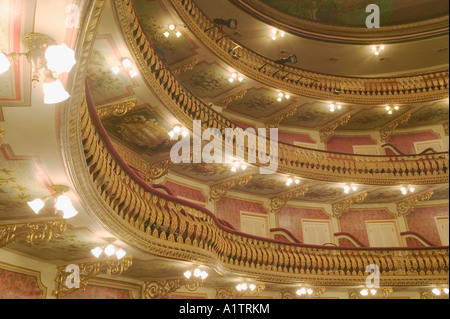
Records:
x=405, y=207
x=232, y=98
x=341, y=207
x=117, y=109
x=110, y=267
x=329, y=131
x=220, y=190
x=161, y=289
x=277, y=203
x=36, y=234
x=387, y=132
x=276, y=121
x=381, y=294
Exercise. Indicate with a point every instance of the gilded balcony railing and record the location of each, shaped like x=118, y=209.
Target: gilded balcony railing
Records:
x=307, y=163
x=406, y=89
x=169, y=227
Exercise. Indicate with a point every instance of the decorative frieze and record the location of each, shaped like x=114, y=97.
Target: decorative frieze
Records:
x=220, y=190
x=117, y=109
x=277, y=203
x=341, y=207
x=406, y=206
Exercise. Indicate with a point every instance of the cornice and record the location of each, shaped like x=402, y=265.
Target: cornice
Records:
x=358, y=35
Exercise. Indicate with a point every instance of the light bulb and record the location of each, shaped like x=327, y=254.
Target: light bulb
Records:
x=244, y=287
x=171, y=27
x=54, y=92
x=70, y=213
x=115, y=70
x=299, y=293
x=185, y=133
x=252, y=287
x=237, y=164
x=239, y=288
x=279, y=99
x=412, y=189
x=297, y=181
x=339, y=106
x=126, y=63
x=377, y=53
x=97, y=252
x=436, y=291
x=390, y=112
x=373, y=292
x=36, y=205
x=166, y=34
x=397, y=108
x=244, y=167
x=274, y=32
x=177, y=129
x=63, y=203
x=110, y=250
x=303, y=291
x=355, y=188
x=274, y=38
x=281, y=95
x=133, y=73
x=382, y=48
x=404, y=191
x=364, y=292
x=120, y=253
x=310, y=292
x=241, y=79
x=231, y=80
x=4, y=63
x=347, y=189
x=171, y=134
x=233, y=169
x=234, y=75
x=204, y=275
x=446, y=291
x=287, y=96
x=388, y=108
x=282, y=34
x=60, y=58
x=178, y=34
x=374, y=48
x=197, y=273
x=188, y=275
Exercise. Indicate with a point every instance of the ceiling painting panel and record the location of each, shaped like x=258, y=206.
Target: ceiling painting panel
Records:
x=437, y=113
x=371, y=119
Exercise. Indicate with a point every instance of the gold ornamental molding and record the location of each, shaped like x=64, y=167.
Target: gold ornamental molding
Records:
x=406, y=206
x=233, y=293
x=428, y=294
x=277, y=203
x=232, y=98
x=446, y=129
x=161, y=289
x=314, y=293
x=2, y=133
x=70, y=278
x=404, y=90
x=310, y=28
x=186, y=68
x=329, y=131
x=276, y=121
x=37, y=234
x=117, y=109
x=388, y=131
x=341, y=207
x=218, y=191
x=381, y=293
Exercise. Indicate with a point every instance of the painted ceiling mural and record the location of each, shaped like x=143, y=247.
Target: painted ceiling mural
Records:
x=371, y=119
x=352, y=13
x=437, y=113
x=153, y=18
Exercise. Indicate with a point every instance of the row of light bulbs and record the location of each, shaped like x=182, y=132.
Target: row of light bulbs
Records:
x=406, y=190
x=237, y=165
x=439, y=291
x=334, y=107
x=62, y=203
x=236, y=77
x=283, y=96
x=349, y=188
x=110, y=251
x=292, y=180
x=177, y=131
x=197, y=273
x=172, y=30
x=390, y=109
x=245, y=287
x=305, y=291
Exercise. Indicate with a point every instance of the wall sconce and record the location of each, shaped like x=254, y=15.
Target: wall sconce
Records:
x=390, y=110
x=238, y=165
x=290, y=59
x=44, y=55
x=367, y=292
x=439, y=291
x=177, y=131
x=291, y=181
x=127, y=65
x=348, y=189
x=249, y=288
x=305, y=292
x=282, y=96
x=172, y=29
x=405, y=190
x=195, y=278
x=277, y=33
x=334, y=107
x=109, y=250
x=236, y=77
x=377, y=49
x=62, y=202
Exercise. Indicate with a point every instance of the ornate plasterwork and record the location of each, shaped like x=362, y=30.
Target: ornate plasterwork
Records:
x=161, y=289
x=276, y=121
x=428, y=294
x=388, y=131
x=277, y=203
x=233, y=293
x=36, y=234
x=329, y=131
x=406, y=206
x=2, y=133
x=185, y=68
x=232, y=98
x=116, y=109
x=446, y=128
x=381, y=294
x=218, y=191
x=341, y=207
x=89, y=270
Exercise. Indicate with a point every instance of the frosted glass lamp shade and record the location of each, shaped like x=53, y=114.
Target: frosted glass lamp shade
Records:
x=54, y=92
x=110, y=250
x=60, y=58
x=36, y=205
x=120, y=253
x=4, y=63
x=97, y=252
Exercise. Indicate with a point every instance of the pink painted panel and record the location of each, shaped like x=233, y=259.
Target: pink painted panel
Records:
x=405, y=142
x=98, y=292
x=186, y=192
x=229, y=209
x=14, y=285
x=422, y=221
x=344, y=144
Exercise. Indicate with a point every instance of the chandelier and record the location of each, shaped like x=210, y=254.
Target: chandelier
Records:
x=195, y=278
x=251, y=289
x=62, y=203
x=47, y=59
x=109, y=250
